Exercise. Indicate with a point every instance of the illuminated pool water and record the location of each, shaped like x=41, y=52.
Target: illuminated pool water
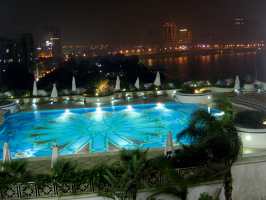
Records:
x=31, y=134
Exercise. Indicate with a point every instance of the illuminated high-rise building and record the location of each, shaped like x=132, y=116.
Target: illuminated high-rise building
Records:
x=184, y=36
x=170, y=34
x=54, y=42
x=239, y=30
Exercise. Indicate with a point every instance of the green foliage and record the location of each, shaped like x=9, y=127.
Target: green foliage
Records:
x=64, y=171
x=13, y=172
x=176, y=185
x=206, y=196
x=133, y=166
x=224, y=103
x=217, y=140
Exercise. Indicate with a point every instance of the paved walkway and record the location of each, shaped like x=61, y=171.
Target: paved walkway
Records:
x=256, y=101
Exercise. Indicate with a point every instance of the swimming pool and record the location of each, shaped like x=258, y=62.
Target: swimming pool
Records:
x=100, y=129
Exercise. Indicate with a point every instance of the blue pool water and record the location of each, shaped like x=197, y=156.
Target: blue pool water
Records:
x=31, y=134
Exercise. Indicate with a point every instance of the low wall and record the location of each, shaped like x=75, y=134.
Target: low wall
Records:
x=205, y=98
x=193, y=194
x=12, y=107
x=95, y=99
x=252, y=138
x=221, y=90
x=249, y=183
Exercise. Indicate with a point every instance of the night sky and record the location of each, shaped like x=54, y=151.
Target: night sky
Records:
x=127, y=21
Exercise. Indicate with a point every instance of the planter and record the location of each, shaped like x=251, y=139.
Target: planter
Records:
x=221, y=89
x=252, y=138
x=205, y=98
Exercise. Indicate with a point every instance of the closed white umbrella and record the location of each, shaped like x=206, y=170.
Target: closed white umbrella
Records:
x=74, y=88
x=137, y=83
x=169, y=146
x=157, y=81
x=35, y=90
x=55, y=155
x=117, y=84
x=237, y=84
x=54, y=93
x=6, y=153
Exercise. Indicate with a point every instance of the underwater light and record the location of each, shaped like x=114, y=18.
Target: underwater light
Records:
x=159, y=106
x=129, y=108
x=34, y=106
x=209, y=109
x=220, y=114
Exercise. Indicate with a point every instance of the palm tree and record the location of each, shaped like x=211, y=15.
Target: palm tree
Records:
x=218, y=139
x=224, y=103
x=13, y=171
x=133, y=166
x=174, y=184
x=64, y=171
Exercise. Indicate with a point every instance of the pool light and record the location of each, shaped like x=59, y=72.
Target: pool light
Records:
x=160, y=106
x=98, y=109
x=129, y=108
x=247, y=137
x=34, y=101
x=159, y=92
x=34, y=106
x=264, y=122
x=220, y=114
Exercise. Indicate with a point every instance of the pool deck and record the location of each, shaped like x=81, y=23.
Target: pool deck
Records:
x=77, y=104
x=42, y=165
x=83, y=161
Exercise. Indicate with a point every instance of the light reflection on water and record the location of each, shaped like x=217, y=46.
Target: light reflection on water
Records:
x=202, y=67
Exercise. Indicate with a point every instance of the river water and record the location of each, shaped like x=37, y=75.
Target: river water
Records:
x=211, y=66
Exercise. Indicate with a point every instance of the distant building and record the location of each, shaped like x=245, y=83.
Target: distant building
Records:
x=240, y=31
x=56, y=41
x=9, y=52
x=86, y=50
x=184, y=36
x=169, y=34
x=27, y=51
x=19, y=51
x=51, y=46
x=172, y=36
x=239, y=21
